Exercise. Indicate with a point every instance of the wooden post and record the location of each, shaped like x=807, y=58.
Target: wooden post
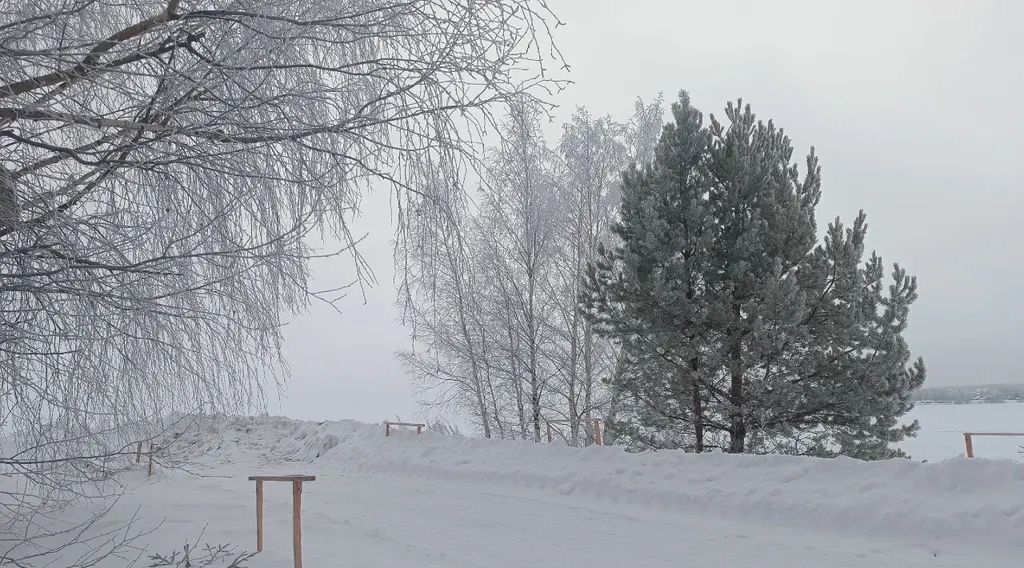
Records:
x=150, y=471
x=968, y=444
x=296, y=481
x=297, y=522
x=138, y=453
x=387, y=429
x=259, y=515
x=419, y=430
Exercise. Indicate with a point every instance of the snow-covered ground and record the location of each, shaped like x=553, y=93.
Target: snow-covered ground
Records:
x=432, y=500
x=943, y=425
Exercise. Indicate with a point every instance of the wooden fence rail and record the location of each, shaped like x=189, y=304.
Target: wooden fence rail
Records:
x=969, y=444
x=387, y=426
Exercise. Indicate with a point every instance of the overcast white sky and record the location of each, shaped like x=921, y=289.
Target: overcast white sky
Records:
x=914, y=108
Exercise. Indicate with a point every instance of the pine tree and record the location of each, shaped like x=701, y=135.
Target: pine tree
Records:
x=733, y=319
x=765, y=217
x=647, y=292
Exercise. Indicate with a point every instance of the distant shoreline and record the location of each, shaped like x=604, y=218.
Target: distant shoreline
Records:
x=982, y=401
x=970, y=394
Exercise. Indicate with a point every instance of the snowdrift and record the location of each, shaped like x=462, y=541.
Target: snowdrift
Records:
x=978, y=500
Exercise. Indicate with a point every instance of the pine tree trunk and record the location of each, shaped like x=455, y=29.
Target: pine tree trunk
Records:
x=698, y=404
x=698, y=409
x=737, y=425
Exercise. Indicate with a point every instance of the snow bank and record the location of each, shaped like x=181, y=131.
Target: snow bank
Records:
x=978, y=500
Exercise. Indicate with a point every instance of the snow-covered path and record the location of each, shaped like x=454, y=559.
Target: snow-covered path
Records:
x=437, y=524
x=395, y=502
x=394, y=520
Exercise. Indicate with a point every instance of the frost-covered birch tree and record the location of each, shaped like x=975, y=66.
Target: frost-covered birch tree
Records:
x=518, y=204
x=444, y=293
x=592, y=152
x=161, y=165
x=525, y=245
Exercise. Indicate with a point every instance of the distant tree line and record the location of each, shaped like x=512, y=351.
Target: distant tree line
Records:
x=970, y=393
x=669, y=280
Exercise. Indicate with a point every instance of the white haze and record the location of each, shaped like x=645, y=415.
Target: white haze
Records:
x=912, y=106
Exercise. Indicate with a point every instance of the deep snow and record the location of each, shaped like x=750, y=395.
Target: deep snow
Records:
x=432, y=500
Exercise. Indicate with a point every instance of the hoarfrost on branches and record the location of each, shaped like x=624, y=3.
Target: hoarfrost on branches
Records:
x=162, y=164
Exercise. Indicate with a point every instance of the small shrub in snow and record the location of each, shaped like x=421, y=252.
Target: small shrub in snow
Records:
x=444, y=428
x=208, y=556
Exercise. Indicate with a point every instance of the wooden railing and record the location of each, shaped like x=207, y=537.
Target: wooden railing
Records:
x=969, y=444
x=387, y=427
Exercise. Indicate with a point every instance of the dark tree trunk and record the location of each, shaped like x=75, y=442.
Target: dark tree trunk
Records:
x=737, y=424
x=698, y=409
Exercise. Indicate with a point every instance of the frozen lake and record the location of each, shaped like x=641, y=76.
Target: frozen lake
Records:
x=943, y=425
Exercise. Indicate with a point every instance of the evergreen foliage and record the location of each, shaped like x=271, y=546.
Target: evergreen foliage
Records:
x=738, y=328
